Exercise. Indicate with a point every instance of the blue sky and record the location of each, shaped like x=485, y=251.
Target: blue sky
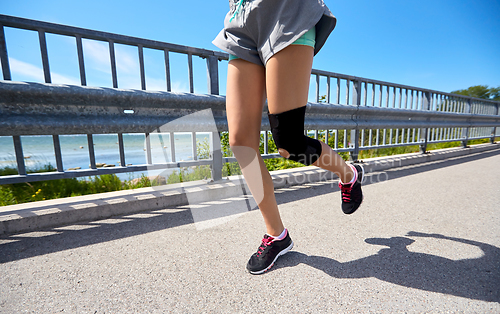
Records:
x=442, y=44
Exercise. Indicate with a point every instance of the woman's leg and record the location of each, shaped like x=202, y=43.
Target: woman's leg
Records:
x=287, y=79
x=245, y=96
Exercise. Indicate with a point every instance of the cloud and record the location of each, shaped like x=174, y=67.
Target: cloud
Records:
x=24, y=69
x=161, y=85
x=32, y=73
x=155, y=84
x=29, y=72
x=61, y=79
x=96, y=55
x=152, y=84
x=97, y=58
x=126, y=62
x=178, y=86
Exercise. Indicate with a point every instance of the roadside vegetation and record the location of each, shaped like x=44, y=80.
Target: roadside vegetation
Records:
x=44, y=190
x=18, y=193
x=480, y=91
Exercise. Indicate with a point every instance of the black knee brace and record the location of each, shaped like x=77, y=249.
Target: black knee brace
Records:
x=288, y=133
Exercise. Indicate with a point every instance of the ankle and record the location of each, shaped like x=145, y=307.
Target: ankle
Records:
x=349, y=177
x=276, y=233
x=281, y=236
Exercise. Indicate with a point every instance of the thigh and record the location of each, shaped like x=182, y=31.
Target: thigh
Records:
x=245, y=96
x=287, y=78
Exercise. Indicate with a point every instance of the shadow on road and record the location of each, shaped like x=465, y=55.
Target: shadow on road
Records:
x=477, y=278
x=19, y=246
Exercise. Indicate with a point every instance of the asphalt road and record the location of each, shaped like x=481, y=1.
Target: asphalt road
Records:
x=426, y=240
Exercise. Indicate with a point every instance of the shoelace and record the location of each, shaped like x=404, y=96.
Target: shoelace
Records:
x=238, y=9
x=265, y=243
x=346, y=192
x=347, y=188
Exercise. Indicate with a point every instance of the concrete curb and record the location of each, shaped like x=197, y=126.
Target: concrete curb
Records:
x=51, y=213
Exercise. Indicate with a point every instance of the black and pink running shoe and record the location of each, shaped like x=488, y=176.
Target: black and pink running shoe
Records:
x=352, y=196
x=269, y=251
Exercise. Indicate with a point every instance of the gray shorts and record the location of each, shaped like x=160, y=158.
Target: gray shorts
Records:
x=261, y=28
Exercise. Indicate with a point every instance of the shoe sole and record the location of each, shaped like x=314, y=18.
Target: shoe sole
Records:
x=283, y=252
x=361, y=182
x=362, y=173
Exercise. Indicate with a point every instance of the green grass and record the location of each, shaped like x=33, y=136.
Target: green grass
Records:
x=371, y=153
x=18, y=193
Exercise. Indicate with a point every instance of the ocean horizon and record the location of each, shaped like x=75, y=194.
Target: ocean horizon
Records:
x=38, y=150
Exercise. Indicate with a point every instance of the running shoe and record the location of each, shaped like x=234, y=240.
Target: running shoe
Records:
x=269, y=251
x=352, y=196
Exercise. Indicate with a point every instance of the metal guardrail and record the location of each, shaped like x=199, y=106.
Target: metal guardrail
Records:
x=358, y=113
x=444, y=113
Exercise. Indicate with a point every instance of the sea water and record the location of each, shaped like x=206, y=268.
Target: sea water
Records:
x=39, y=150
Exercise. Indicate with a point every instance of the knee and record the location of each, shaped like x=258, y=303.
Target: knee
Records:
x=284, y=153
x=242, y=146
x=237, y=145
x=301, y=148
x=288, y=134
x=244, y=153
x=238, y=140
x=234, y=142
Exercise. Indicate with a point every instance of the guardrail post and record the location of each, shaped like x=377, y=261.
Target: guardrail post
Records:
x=18, y=148
x=213, y=75
x=3, y=56
x=213, y=88
x=45, y=56
x=467, y=109
x=356, y=100
x=426, y=105
x=494, y=129
x=216, y=156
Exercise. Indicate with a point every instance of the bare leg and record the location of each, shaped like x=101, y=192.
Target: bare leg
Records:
x=245, y=97
x=287, y=78
x=330, y=160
